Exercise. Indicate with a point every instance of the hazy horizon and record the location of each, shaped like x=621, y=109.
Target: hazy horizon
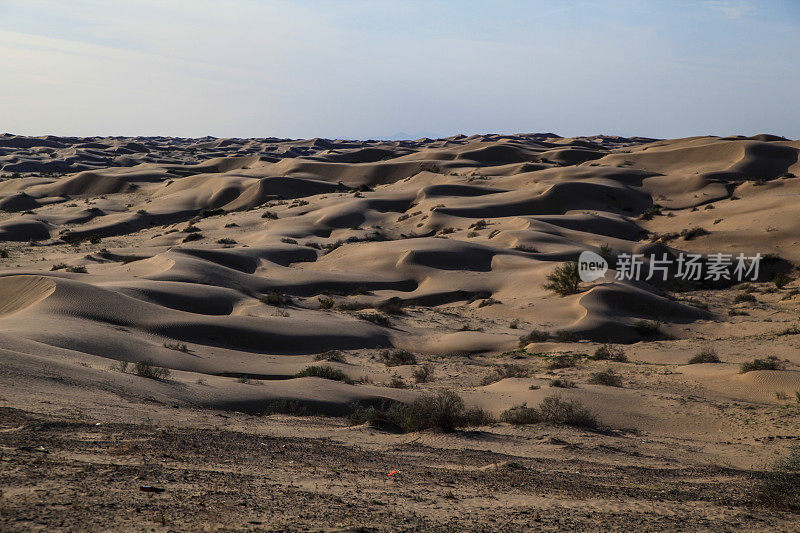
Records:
x=363, y=70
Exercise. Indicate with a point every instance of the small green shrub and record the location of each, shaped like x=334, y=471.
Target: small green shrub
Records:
x=95, y=239
x=76, y=269
x=269, y=215
x=226, y=240
x=285, y=407
x=326, y=302
x=648, y=328
x=564, y=335
x=397, y=383
x=564, y=280
x=193, y=237
x=4, y=253
x=392, y=306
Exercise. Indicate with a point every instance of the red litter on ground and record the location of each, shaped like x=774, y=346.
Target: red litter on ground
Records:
x=393, y=472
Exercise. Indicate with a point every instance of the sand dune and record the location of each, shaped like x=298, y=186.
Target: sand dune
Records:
x=226, y=258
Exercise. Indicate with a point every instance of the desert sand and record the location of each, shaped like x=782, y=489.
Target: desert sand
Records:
x=235, y=264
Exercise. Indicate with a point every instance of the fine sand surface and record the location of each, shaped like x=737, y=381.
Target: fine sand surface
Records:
x=238, y=263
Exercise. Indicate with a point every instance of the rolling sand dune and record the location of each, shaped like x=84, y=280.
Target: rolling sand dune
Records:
x=238, y=263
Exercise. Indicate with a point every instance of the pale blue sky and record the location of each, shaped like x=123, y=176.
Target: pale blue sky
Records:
x=372, y=68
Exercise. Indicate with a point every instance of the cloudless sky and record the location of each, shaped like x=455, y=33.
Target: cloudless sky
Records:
x=373, y=68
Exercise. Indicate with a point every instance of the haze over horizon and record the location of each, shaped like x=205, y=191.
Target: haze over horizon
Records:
x=303, y=69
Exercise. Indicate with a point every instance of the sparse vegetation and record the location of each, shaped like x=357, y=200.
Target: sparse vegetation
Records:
x=779, y=487
x=146, y=369
x=4, y=253
x=706, y=355
x=552, y=410
x=397, y=357
x=562, y=383
x=609, y=352
x=397, y=383
x=392, y=306
x=285, y=407
x=561, y=361
x=564, y=280
x=647, y=328
x=326, y=302
x=276, y=298
x=606, y=377
x=533, y=336
x=744, y=297
x=178, y=347
x=423, y=374
x=325, y=372
x=505, y=371
x=269, y=215
x=692, y=233
x=193, y=237
x=79, y=269
x=375, y=318
x=768, y=363
x=226, y=240
x=335, y=356
x=443, y=411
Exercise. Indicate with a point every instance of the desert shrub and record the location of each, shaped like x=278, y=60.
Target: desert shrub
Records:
x=397, y=383
x=609, y=352
x=423, y=374
x=514, y=324
x=76, y=269
x=744, y=297
x=443, y=411
x=561, y=361
x=791, y=330
x=397, y=357
x=780, y=280
x=141, y=212
x=521, y=415
x=59, y=266
x=650, y=212
x=564, y=280
x=606, y=252
x=147, y=369
x=191, y=229
x=375, y=318
x=534, y=336
x=562, y=383
x=556, y=411
x=287, y=240
x=269, y=215
x=331, y=355
x=563, y=335
x=647, y=328
x=178, y=347
x=325, y=372
x=352, y=306
x=325, y=302
x=706, y=355
x=770, y=363
x=779, y=488
x=691, y=233
x=95, y=239
x=193, y=237
x=231, y=225
x=606, y=377
x=4, y=253
x=276, y=298
x=392, y=306
x=226, y=240
x=488, y=301
x=285, y=407
x=480, y=224
x=552, y=410
x=505, y=371
x=446, y=231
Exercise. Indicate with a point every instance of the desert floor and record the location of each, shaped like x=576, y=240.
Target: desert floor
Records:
x=237, y=264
